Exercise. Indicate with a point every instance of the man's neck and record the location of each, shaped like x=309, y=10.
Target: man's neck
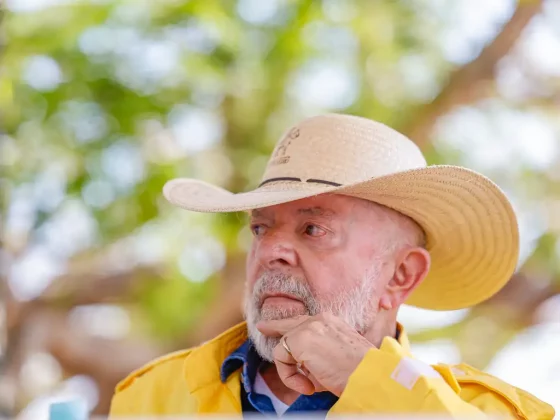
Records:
x=287, y=395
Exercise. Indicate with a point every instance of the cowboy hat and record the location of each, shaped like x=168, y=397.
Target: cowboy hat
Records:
x=470, y=226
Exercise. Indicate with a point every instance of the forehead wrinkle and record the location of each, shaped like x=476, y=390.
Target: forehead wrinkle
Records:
x=317, y=211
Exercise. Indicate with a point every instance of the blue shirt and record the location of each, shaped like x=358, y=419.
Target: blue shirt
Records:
x=247, y=358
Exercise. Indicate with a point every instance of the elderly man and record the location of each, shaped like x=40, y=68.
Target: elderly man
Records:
x=349, y=223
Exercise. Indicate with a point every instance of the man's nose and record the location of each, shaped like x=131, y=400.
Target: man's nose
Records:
x=276, y=252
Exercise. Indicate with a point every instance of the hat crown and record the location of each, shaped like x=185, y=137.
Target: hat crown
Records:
x=341, y=149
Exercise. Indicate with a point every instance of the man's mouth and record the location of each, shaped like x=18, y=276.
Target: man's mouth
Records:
x=279, y=298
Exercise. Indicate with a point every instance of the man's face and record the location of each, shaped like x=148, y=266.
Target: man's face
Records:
x=325, y=253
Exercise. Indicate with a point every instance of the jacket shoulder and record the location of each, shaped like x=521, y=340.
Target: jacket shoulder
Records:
x=482, y=389
x=156, y=364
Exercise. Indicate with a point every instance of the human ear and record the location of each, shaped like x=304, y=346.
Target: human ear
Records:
x=411, y=267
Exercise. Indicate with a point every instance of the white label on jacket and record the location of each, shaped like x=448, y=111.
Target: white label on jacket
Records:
x=409, y=370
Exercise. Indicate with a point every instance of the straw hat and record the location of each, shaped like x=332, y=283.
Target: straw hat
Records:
x=470, y=226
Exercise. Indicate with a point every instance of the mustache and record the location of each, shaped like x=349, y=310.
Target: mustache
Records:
x=275, y=282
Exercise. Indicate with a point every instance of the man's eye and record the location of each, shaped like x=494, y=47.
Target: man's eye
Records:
x=257, y=230
x=315, y=231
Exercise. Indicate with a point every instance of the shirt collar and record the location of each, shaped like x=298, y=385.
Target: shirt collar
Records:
x=245, y=357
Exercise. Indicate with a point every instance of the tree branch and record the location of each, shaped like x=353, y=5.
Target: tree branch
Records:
x=469, y=83
x=96, y=286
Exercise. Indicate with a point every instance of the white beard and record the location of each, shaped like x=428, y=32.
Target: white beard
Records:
x=354, y=306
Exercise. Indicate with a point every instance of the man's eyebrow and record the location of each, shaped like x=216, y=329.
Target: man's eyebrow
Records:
x=257, y=213
x=317, y=211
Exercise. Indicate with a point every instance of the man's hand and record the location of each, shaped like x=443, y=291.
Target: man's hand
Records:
x=326, y=347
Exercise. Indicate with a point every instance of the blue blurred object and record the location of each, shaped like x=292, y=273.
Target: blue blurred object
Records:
x=68, y=410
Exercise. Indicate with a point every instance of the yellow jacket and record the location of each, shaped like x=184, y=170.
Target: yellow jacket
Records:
x=188, y=383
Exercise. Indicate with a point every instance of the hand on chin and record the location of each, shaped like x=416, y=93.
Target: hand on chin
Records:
x=318, y=353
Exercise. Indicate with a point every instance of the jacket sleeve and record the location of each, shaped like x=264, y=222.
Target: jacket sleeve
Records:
x=386, y=381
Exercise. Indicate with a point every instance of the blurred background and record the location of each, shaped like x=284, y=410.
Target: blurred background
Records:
x=103, y=101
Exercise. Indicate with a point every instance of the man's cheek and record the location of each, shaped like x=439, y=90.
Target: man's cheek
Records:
x=251, y=269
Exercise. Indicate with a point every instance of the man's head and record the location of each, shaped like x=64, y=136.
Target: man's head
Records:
x=331, y=253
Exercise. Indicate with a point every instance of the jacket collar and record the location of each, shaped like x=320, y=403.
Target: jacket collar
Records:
x=212, y=354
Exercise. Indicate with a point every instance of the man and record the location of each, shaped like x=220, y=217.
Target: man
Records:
x=348, y=225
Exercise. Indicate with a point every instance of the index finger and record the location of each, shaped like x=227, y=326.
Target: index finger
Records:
x=279, y=327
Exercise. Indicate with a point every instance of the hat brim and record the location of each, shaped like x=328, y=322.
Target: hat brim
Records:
x=470, y=225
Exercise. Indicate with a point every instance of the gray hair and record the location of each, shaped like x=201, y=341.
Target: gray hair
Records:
x=408, y=231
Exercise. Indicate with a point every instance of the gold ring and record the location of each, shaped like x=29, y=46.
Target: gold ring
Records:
x=285, y=345
x=299, y=365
